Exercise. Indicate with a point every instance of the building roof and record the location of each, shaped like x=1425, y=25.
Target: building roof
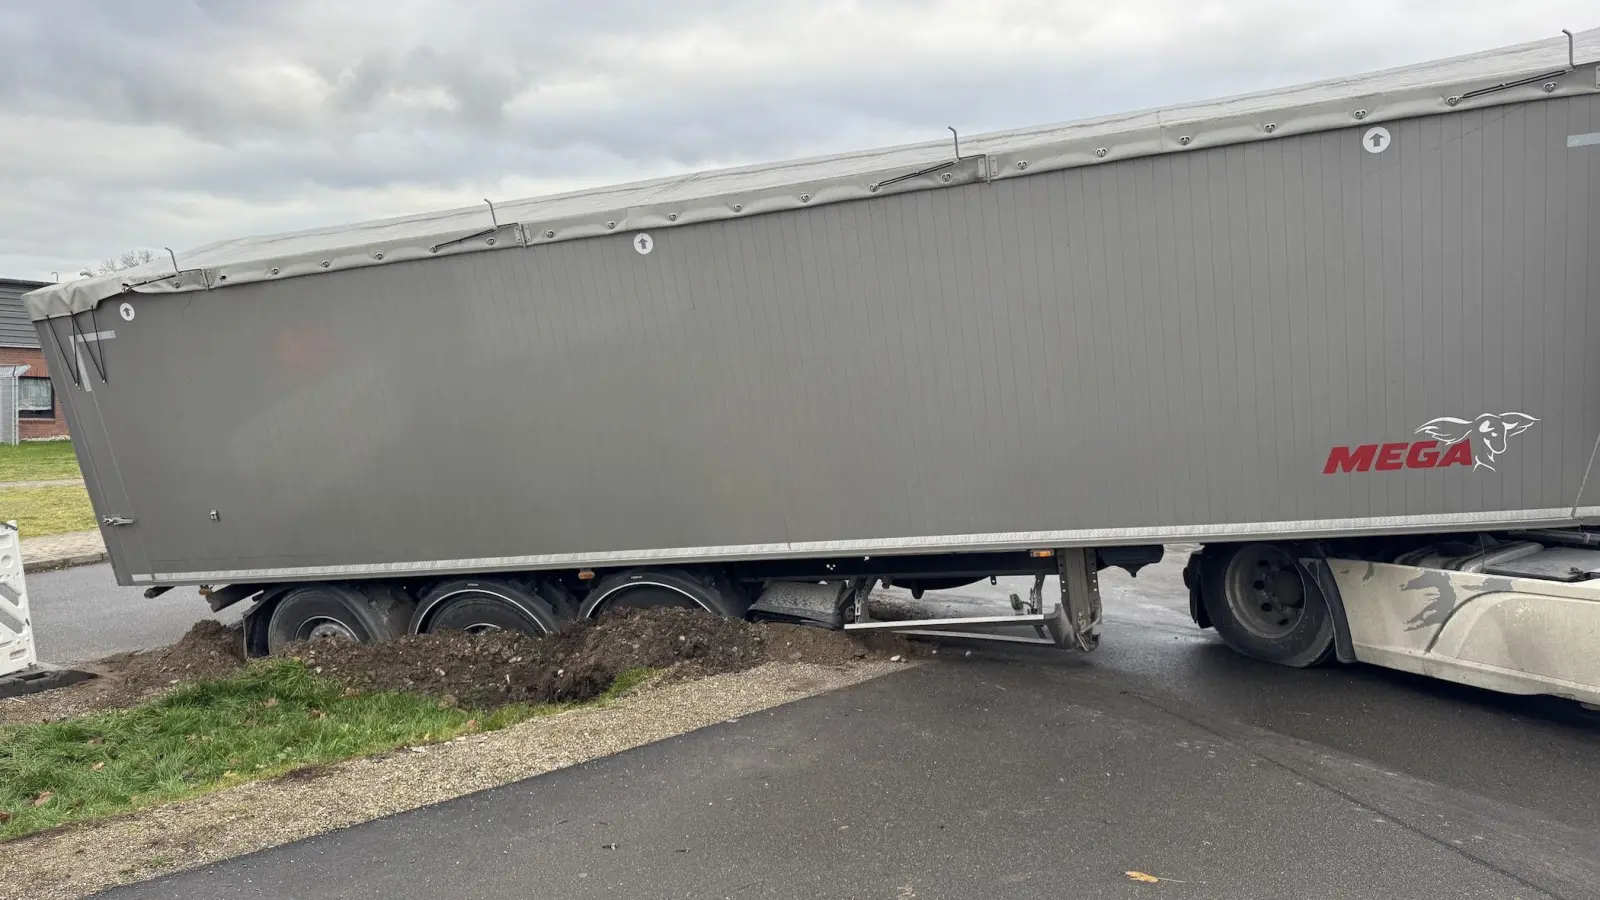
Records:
x=1525, y=72
x=16, y=329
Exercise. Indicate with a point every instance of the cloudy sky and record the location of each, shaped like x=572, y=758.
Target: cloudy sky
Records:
x=144, y=123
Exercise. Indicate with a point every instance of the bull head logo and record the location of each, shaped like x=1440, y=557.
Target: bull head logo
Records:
x=1489, y=434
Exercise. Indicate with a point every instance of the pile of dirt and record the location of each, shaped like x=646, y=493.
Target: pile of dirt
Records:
x=209, y=650
x=582, y=660
x=576, y=664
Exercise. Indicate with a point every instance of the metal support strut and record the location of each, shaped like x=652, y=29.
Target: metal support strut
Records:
x=1076, y=622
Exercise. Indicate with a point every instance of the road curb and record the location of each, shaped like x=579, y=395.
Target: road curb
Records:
x=63, y=562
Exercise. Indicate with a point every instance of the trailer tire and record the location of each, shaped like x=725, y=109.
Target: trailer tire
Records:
x=479, y=604
x=320, y=611
x=637, y=588
x=1265, y=605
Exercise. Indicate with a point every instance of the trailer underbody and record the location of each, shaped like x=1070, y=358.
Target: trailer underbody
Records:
x=1506, y=611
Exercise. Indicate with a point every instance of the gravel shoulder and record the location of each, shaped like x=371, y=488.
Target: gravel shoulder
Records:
x=78, y=861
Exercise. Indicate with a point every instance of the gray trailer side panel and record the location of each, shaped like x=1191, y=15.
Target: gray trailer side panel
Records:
x=1161, y=348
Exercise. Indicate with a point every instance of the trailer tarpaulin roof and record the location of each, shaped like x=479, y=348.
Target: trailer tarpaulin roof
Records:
x=1516, y=74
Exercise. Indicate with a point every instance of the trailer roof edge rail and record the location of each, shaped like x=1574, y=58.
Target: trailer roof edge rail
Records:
x=494, y=228
x=1572, y=66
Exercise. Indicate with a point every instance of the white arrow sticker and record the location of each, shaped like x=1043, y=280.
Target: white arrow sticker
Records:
x=1376, y=140
x=127, y=312
x=644, y=243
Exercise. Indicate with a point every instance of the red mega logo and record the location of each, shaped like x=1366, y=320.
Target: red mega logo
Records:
x=1477, y=443
x=1391, y=457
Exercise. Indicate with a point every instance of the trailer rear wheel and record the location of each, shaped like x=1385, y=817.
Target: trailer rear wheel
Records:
x=480, y=605
x=1264, y=605
x=335, y=612
x=644, y=588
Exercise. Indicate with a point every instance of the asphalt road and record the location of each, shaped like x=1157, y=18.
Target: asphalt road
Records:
x=1014, y=773
x=81, y=614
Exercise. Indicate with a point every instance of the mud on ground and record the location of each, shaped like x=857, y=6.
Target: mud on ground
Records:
x=581, y=661
x=576, y=664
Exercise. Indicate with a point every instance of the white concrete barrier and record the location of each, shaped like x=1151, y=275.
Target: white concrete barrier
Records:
x=16, y=630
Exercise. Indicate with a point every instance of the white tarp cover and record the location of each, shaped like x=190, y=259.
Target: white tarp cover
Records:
x=1418, y=90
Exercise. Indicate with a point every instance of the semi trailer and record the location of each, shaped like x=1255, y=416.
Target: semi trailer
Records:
x=1342, y=336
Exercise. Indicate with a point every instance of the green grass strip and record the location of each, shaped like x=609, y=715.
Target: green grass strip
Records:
x=37, y=461
x=271, y=718
x=48, y=510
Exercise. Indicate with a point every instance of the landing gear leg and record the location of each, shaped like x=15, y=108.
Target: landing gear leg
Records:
x=1076, y=622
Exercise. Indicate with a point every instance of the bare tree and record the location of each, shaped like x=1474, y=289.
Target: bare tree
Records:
x=127, y=260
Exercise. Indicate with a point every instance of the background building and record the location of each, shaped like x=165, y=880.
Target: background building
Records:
x=38, y=414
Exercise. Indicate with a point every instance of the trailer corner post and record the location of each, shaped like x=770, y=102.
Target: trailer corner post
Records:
x=1076, y=622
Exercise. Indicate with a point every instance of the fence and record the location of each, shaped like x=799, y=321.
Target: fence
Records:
x=9, y=401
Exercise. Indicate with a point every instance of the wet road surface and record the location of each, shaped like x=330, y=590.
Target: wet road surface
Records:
x=1012, y=772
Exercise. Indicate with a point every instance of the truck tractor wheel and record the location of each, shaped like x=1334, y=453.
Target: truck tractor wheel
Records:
x=1265, y=605
x=642, y=588
x=330, y=611
x=480, y=605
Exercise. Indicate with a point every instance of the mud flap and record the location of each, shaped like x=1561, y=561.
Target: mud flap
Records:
x=1191, y=580
x=787, y=601
x=1322, y=576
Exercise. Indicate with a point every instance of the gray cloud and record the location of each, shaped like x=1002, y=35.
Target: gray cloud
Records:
x=130, y=123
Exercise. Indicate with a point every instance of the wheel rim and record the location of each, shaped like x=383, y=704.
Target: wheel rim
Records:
x=1265, y=591
x=482, y=628
x=323, y=628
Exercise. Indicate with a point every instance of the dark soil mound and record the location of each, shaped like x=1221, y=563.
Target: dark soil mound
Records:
x=581, y=661
x=577, y=664
x=209, y=650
